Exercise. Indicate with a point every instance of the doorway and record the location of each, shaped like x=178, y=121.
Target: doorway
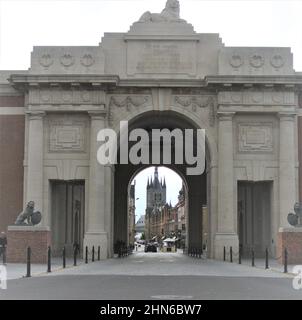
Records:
x=68, y=214
x=254, y=217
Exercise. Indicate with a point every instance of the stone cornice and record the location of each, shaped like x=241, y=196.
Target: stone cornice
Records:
x=287, y=80
x=22, y=81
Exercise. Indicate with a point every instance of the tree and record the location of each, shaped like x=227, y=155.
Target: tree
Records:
x=143, y=236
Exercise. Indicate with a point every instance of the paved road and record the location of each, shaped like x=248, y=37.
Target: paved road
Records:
x=155, y=276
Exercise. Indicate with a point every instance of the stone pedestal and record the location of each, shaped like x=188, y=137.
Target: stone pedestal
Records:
x=21, y=237
x=226, y=240
x=291, y=239
x=97, y=239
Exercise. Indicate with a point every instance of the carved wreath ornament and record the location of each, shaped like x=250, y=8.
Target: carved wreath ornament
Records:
x=198, y=102
x=128, y=102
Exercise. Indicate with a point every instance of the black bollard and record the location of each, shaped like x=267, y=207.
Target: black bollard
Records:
x=75, y=256
x=28, y=257
x=99, y=253
x=92, y=259
x=231, y=254
x=285, y=260
x=86, y=254
x=266, y=258
x=49, y=259
x=239, y=256
x=253, y=258
x=223, y=253
x=64, y=257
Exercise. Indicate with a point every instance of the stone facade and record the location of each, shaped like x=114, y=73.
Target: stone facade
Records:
x=245, y=98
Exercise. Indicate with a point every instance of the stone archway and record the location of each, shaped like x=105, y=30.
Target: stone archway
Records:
x=197, y=186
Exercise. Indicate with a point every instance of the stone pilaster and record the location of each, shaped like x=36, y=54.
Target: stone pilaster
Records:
x=34, y=187
x=287, y=176
x=226, y=234
x=96, y=234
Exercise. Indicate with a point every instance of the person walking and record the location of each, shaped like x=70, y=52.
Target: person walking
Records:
x=3, y=244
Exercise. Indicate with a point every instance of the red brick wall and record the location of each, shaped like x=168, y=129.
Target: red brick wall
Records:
x=11, y=101
x=18, y=241
x=11, y=162
x=292, y=241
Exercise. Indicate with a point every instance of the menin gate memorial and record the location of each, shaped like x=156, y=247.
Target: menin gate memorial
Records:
x=161, y=73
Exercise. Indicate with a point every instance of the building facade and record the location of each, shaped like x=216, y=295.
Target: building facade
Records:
x=131, y=211
x=165, y=220
x=155, y=204
x=140, y=224
x=159, y=74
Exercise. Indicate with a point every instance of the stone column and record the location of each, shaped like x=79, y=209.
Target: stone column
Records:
x=288, y=237
x=34, y=182
x=226, y=234
x=96, y=234
x=287, y=176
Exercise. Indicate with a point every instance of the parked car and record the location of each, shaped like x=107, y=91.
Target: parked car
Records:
x=150, y=247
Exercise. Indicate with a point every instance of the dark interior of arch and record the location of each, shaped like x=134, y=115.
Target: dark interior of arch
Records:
x=196, y=184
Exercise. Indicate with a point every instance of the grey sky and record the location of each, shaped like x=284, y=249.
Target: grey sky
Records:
x=24, y=24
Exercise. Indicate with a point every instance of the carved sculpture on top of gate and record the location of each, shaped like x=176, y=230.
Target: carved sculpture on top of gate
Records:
x=169, y=14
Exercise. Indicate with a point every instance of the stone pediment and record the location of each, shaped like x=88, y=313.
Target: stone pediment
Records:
x=161, y=29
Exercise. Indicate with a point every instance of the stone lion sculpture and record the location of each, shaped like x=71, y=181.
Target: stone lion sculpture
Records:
x=169, y=14
x=28, y=217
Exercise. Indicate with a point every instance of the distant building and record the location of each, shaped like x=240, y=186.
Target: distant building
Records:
x=156, y=199
x=140, y=225
x=162, y=219
x=131, y=216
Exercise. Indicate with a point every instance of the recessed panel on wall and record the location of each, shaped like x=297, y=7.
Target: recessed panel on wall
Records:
x=161, y=57
x=255, y=137
x=67, y=137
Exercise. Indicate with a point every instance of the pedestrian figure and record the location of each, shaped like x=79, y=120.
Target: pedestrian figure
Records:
x=3, y=243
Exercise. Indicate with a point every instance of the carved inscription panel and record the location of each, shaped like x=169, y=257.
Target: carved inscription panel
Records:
x=67, y=136
x=255, y=137
x=161, y=57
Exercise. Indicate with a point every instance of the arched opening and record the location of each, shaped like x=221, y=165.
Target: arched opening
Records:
x=196, y=185
x=157, y=210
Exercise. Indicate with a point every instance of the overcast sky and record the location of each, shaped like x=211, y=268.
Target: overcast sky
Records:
x=24, y=24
